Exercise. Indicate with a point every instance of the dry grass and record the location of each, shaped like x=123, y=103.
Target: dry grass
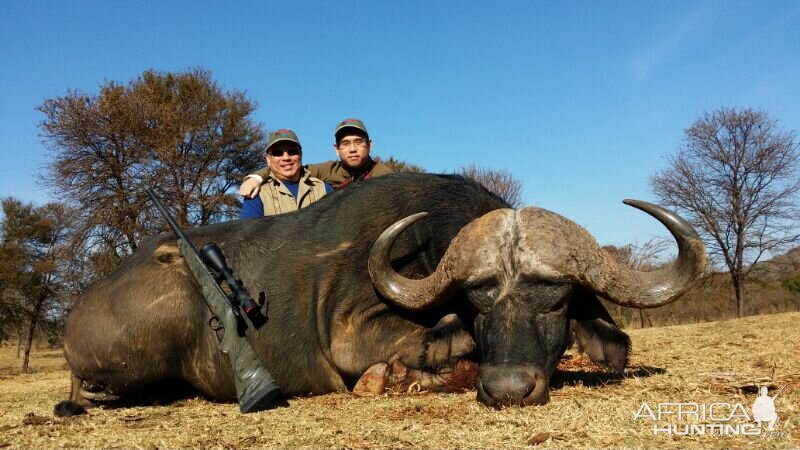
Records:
x=711, y=362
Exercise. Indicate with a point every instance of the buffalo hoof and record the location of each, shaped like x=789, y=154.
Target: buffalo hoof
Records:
x=68, y=408
x=373, y=381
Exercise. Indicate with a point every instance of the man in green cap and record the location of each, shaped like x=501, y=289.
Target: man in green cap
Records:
x=352, y=147
x=286, y=185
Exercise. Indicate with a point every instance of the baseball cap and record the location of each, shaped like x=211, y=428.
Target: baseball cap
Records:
x=282, y=135
x=350, y=123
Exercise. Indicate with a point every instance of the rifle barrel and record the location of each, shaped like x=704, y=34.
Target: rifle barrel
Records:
x=165, y=214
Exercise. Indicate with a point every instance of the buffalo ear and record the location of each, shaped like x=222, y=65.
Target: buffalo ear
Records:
x=596, y=334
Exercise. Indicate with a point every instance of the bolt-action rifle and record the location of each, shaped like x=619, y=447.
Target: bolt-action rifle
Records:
x=255, y=387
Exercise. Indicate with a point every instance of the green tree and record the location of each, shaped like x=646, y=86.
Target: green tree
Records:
x=179, y=132
x=12, y=312
x=735, y=178
x=792, y=283
x=37, y=266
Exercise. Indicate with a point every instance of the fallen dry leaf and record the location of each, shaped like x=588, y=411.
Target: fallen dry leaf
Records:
x=33, y=419
x=538, y=438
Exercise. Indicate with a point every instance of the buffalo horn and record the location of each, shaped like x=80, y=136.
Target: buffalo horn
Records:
x=406, y=292
x=650, y=289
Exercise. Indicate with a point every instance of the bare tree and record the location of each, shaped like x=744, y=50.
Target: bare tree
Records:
x=179, y=132
x=399, y=165
x=642, y=258
x=736, y=180
x=500, y=182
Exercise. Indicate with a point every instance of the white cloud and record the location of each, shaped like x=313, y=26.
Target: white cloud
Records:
x=664, y=47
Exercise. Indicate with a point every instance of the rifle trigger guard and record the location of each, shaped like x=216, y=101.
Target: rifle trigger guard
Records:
x=217, y=326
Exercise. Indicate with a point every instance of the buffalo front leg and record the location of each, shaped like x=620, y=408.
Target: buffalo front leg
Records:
x=596, y=334
x=445, y=344
x=76, y=403
x=389, y=339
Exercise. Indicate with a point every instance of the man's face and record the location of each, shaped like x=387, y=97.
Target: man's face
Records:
x=353, y=149
x=285, y=159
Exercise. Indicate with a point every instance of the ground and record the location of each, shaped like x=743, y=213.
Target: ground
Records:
x=719, y=362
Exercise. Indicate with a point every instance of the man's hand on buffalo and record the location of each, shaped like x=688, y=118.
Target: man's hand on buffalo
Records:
x=250, y=187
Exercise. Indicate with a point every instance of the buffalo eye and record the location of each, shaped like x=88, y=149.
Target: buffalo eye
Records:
x=558, y=305
x=547, y=298
x=483, y=296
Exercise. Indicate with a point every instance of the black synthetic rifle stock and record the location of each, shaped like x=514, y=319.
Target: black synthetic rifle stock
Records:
x=255, y=387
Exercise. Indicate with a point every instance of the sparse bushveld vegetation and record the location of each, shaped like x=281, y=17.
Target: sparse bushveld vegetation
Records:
x=711, y=300
x=399, y=165
x=702, y=363
x=792, y=283
x=772, y=287
x=735, y=179
x=501, y=182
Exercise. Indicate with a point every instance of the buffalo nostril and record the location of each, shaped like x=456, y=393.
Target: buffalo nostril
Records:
x=509, y=393
x=502, y=387
x=512, y=385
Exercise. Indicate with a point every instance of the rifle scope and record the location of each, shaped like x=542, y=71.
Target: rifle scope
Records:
x=213, y=257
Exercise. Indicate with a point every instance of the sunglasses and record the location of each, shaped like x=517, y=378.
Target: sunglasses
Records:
x=279, y=153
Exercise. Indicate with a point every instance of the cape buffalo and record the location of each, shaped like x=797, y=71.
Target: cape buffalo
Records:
x=361, y=280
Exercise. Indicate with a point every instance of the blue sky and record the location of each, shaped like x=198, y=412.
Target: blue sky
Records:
x=580, y=101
